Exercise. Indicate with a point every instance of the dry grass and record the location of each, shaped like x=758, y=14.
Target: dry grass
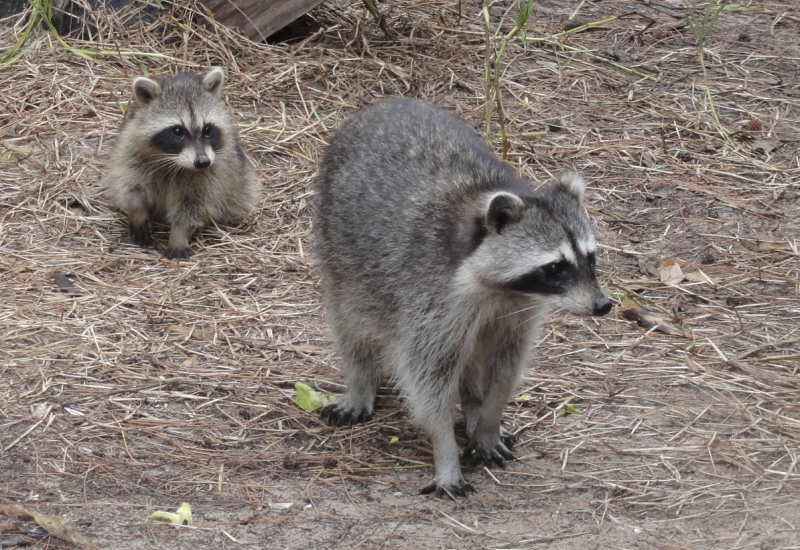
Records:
x=130, y=382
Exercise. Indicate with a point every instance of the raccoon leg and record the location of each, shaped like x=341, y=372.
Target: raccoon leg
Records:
x=484, y=400
x=431, y=389
x=489, y=443
x=362, y=376
x=178, y=247
x=447, y=479
x=437, y=421
x=183, y=223
x=140, y=232
x=138, y=219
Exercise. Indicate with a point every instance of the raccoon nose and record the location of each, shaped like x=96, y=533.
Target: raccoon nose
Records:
x=602, y=305
x=202, y=161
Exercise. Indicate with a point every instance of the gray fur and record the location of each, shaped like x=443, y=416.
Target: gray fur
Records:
x=150, y=184
x=420, y=233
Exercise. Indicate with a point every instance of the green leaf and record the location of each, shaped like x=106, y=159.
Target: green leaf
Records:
x=14, y=154
x=183, y=516
x=311, y=400
x=394, y=440
x=522, y=19
x=571, y=410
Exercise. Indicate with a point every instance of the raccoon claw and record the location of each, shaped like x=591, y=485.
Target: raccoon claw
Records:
x=460, y=489
x=178, y=253
x=498, y=455
x=337, y=416
x=508, y=439
x=140, y=234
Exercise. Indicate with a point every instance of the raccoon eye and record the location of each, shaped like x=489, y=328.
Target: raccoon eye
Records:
x=592, y=261
x=178, y=131
x=555, y=268
x=207, y=129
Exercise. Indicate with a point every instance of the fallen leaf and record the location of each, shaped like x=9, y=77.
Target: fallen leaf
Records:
x=700, y=277
x=279, y=505
x=192, y=332
x=309, y=399
x=165, y=517
x=182, y=516
x=670, y=272
x=185, y=513
x=627, y=303
x=58, y=526
x=649, y=320
x=646, y=269
x=571, y=410
x=40, y=410
x=14, y=154
x=394, y=440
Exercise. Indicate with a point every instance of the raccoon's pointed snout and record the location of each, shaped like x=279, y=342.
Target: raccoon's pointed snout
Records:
x=202, y=161
x=602, y=305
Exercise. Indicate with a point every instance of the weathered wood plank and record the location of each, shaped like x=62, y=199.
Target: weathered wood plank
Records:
x=258, y=18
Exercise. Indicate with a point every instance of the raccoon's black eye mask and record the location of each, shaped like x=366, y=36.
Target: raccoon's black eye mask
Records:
x=169, y=140
x=556, y=269
x=553, y=278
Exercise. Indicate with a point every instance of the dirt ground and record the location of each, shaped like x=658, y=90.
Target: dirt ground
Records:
x=130, y=383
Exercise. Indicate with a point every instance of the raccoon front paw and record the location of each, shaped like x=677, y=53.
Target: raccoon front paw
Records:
x=178, y=253
x=339, y=414
x=459, y=489
x=499, y=454
x=140, y=234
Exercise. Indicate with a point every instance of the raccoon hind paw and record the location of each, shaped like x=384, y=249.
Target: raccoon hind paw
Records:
x=338, y=414
x=459, y=489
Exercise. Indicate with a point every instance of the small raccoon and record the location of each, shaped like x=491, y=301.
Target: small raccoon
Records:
x=437, y=266
x=179, y=160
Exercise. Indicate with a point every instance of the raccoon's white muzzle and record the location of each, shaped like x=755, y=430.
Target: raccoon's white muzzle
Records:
x=196, y=158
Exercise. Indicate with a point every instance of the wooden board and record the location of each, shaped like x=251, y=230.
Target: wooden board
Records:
x=258, y=18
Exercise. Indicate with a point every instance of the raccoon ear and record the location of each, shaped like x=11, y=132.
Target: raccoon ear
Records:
x=502, y=209
x=572, y=183
x=145, y=90
x=213, y=79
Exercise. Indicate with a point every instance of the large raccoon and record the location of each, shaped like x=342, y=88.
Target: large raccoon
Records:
x=438, y=264
x=178, y=159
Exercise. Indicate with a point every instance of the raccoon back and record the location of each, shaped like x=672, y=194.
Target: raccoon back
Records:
x=395, y=197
